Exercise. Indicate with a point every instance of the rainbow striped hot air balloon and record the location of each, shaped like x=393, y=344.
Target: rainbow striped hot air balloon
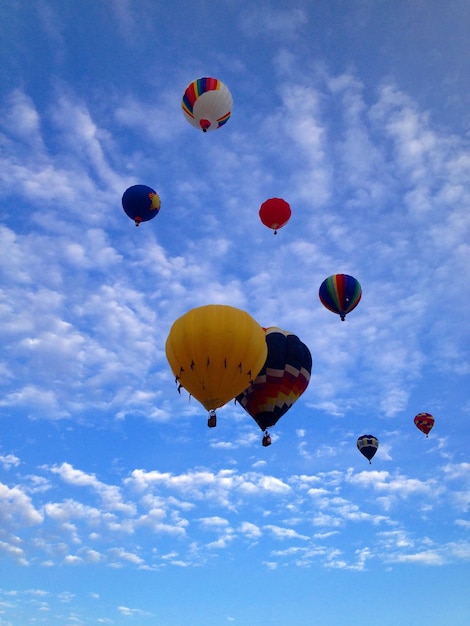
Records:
x=207, y=103
x=340, y=293
x=282, y=380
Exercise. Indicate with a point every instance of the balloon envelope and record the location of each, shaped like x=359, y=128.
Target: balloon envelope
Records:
x=424, y=421
x=141, y=203
x=207, y=103
x=214, y=351
x=340, y=293
x=275, y=213
x=367, y=445
x=282, y=380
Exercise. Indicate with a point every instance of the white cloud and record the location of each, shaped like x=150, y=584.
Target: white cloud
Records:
x=21, y=119
x=72, y=559
x=16, y=504
x=284, y=533
x=213, y=522
x=119, y=555
x=110, y=495
x=398, y=485
x=428, y=557
x=250, y=530
x=269, y=22
x=9, y=460
x=128, y=612
x=14, y=552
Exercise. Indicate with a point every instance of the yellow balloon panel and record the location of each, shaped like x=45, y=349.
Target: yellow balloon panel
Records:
x=215, y=351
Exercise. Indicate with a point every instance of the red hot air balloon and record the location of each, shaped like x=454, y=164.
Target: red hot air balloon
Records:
x=424, y=421
x=275, y=213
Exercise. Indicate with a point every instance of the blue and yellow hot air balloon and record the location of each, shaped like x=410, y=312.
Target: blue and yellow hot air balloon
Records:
x=368, y=445
x=141, y=203
x=340, y=293
x=207, y=103
x=281, y=382
x=214, y=352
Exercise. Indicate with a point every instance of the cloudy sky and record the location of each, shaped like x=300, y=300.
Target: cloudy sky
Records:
x=117, y=504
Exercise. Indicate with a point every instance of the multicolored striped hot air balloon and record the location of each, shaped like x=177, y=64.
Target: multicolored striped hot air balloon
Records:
x=368, y=446
x=340, y=293
x=282, y=380
x=425, y=422
x=207, y=103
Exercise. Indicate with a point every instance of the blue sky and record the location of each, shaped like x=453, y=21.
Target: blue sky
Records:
x=117, y=504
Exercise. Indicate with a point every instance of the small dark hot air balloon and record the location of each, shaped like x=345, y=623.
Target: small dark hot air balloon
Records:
x=424, y=421
x=282, y=380
x=340, y=293
x=141, y=203
x=367, y=445
x=275, y=213
x=207, y=103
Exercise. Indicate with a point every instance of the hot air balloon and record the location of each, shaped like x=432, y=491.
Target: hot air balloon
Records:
x=207, y=103
x=340, y=293
x=215, y=351
x=141, y=203
x=368, y=445
x=281, y=382
x=275, y=213
x=424, y=421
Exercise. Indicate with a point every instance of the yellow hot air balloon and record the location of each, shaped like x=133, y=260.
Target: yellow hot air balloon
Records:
x=215, y=352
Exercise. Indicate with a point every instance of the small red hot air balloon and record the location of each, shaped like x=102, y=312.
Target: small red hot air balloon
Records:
x=424, y=421
x=275, y=213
